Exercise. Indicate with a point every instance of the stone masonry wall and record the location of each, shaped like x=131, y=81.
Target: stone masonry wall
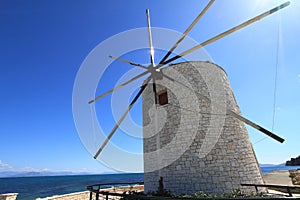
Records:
x=186, y=144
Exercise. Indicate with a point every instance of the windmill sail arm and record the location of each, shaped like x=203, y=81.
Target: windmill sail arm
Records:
x=228, y=32
x=121, y=119
x=128, y=62
x=187, y=31
x=119, y=86
x=150, y=38
x=154, y=91
x=256, y=126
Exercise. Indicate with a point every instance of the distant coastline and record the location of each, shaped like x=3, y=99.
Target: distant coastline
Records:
x=42, y=186
x=266, y=168
x=19, y=174
x=16, y=174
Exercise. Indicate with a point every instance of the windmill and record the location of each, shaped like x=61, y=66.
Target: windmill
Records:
x=175, y=174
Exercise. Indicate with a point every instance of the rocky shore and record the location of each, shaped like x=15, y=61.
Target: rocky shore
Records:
x=86, y=194
x=295, y=176
x=293, y=162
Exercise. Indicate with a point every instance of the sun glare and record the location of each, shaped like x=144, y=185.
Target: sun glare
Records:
x=261, y=4
x=152, y=51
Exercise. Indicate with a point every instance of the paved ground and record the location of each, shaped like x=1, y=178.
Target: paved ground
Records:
x=278, y=178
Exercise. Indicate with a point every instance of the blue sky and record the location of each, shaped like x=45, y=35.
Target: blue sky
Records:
x=43, y=43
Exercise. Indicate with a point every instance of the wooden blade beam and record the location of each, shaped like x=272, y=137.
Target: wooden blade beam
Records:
x=168, y=77
x=261, y=129
x=239, y=117
x=121, y=119
x=150, y=39
x=236, y=28
x=128, y=62
x=119, y=86
x=154, y=90
x=187, y=31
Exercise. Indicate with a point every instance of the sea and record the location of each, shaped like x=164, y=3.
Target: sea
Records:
x=30, y=188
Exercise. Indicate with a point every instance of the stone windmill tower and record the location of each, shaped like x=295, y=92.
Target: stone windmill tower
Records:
x=209, y=151
x=194, y=136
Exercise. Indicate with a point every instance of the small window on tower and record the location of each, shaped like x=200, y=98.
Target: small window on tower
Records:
x=163, y=97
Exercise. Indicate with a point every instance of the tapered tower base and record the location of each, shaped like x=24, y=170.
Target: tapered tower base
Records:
x=189, y=140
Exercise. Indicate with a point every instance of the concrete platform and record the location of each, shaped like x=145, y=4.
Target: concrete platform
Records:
x=279, y=178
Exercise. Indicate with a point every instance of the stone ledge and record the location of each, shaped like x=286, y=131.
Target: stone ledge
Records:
x=8, y=196
x=71, y=196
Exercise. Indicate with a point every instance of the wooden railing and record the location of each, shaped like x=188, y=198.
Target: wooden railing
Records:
x=99, y=189
x=285, y=187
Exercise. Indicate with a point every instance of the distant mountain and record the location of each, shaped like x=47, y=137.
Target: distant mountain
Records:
x=7, y=174
x=271, y=165
x=38, y=173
